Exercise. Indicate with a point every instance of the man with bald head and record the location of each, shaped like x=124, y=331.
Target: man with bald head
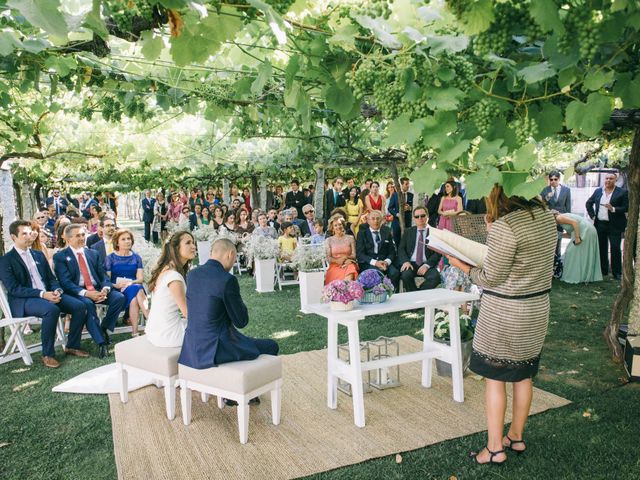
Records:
x=216, y=311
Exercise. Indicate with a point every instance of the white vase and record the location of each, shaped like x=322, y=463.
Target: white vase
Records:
x=311, y=284
x=204, y=248
x=341, y=307
x=265, y=273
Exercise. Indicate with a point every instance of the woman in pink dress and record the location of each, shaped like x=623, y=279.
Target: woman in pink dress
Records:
x=450, y=205
x=175, y=207
x=341, y=252
x=374, y=200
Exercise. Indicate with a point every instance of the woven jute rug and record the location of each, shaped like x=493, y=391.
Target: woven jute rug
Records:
x=311, y=438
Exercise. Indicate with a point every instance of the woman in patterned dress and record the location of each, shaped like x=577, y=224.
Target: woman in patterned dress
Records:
x=516, y=277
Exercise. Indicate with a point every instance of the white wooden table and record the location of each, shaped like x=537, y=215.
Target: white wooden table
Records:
x=351, y=372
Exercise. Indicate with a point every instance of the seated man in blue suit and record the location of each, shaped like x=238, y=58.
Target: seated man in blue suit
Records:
x=375, y=248
x=216, y=311
x=33, y=291
x=82, y=275
x=104, y=246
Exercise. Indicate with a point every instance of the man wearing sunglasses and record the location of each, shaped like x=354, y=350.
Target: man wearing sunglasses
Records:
x=306, y=227
x=558, y=197
x=59, y=203
x=416, y=260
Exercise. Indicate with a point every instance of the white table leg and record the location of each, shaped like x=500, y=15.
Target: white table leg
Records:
x=427, y=363
x=332, y=356
x=356, y=374
x=456, y=354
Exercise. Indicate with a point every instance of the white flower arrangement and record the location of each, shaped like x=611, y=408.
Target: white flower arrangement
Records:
x=205, y=233
x=441, y=329
x=309, y=258
x=182, y=226
x=224, y=233
x=261, y=248
x=149, y=254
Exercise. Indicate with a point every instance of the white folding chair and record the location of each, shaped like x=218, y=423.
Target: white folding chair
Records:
x=16, y=347
x=285, y=274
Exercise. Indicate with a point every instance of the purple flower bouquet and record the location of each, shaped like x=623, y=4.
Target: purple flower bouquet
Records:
x=377, y=286
x=342, y=291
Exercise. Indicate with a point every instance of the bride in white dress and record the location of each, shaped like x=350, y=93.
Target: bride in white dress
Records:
x=168, y=315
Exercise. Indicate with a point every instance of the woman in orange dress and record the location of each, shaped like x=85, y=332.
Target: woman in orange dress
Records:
x=374, y=201
x=341, y=252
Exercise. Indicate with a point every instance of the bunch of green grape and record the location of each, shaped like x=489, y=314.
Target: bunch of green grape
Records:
x=483, y=114
x=465, y=72
x=111, y=109
x=373, y=9
x=583, y=28
x=525, y=128
x=86, y=112
x=362, y=79
x=124, y=12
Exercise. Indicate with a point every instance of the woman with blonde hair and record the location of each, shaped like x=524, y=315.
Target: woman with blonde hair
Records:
x=341, y=252
x=516, y=278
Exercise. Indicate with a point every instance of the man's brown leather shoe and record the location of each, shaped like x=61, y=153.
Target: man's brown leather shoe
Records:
x=50, y=362
x=76, y=353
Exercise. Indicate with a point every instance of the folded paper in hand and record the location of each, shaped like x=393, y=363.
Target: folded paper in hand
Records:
x=123, y=280
x=449, y=243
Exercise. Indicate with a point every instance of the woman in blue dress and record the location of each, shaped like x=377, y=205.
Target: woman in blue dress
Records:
x=126, y=272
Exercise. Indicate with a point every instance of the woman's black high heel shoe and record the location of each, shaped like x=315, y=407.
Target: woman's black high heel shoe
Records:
x=515, y=442
x=474, y=457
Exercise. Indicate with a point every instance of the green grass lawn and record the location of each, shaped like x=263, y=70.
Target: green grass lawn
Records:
x=47, y=435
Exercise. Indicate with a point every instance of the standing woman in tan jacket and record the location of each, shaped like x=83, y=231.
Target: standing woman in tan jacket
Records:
x=516, y=277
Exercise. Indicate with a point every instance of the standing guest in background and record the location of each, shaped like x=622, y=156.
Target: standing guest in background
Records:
x=476, y=206
x=581, y=258
x=306, y=227
x=175, y=207
x=295, y=198
x=147, y=213
x=210, y=199
x=308, y=199
x=393, y=208
x=374, y=200
x=185, y=216
x=82, y=275
x=96, y=216
x=278, y=198
x=341, y=252
x=112, y=201
x=234, y=194
x=33, y=290
x=243, y=224
x=607, y=207
x=375, y=248
x=168, y=313
x=415, y=259
x=246, y=199
x=125, y=270
x=516, y=277
x=59, y=203
x=312, y=194
x=160, y=216
x=333, y=198
x=366, y=185
x=350, y=184
x=89, y=201
x=263, y=229
x=558, y=198
x=354, y=208
x=104, y=246
x=104, y=205
x=450, y=206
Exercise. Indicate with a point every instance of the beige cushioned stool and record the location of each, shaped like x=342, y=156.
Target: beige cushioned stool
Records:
x=239, y=381
x=162, y=362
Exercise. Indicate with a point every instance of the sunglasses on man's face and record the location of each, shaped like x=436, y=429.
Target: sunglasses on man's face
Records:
x=419, y=216
x=309, y=211
x=553, y=179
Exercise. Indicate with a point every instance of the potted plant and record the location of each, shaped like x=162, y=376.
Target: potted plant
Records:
x=341, y=294
x=204, y=237
x=262, y=251
x=377, y=286
x=309, y=261
x=442, y=333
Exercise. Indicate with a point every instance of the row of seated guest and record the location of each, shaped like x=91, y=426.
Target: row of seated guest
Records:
x=79, y=283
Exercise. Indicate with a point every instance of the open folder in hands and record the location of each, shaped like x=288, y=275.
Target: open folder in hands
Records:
x=449, y=243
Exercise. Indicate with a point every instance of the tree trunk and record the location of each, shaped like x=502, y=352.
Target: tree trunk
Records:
x=225, y=191
x=18, y=198
x=396, y=182
x=255, y=198
x=264, y=190
x=318, y=200
x=627, y=288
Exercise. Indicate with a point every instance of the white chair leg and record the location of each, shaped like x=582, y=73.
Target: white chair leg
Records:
x=22, y=347
x=185, y=401
x=243, y=421
x=124, y=383
x=170, y=398
x=204, y=396
x=220, y=402
x=276, y=399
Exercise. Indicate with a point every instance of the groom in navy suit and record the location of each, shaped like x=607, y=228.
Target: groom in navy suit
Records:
x=216, y=311
x=32, y=290
x=82, y=275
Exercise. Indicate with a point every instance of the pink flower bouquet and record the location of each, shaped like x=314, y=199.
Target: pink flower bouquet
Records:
x=343, y=291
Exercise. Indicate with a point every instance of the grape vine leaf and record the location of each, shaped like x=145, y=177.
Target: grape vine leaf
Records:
x=480, y=183
x=444, y=98
x=44, y=14
x=628, y=90
x=487, y=149
x=275, y=21
x=61, y=65
x=452, y=150
x=529, y=190
x=381, y=30
x=549, y=119
x=537, y=72
x=478, y=17
x=447, y=43
x=597, y=79
x=427, y=178
x=264, y=75
x=510, y=180
x=338, y=97
x=9, y=42
x=525, y=157
x=402, y=131
x=291, y=95
x=344, y=36
x=545, y=14
x=94, y=22
x=151, y=46
x=588, y=118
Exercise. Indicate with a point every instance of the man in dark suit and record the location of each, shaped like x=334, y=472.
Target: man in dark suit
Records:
x=33, y=290
x=558, y=197
x=81, y=274
x=415, y=259
x=147, y=213
x=608, y=207
x=193, y=218
x=59, y=203
x=394, y=208
x=272, y=219
x=216, y=311
x=307, y=228
x=295, y=198
x=104, y=246
x=351, y=183
x=333, y=198
x=85, y=206
x=375, y=248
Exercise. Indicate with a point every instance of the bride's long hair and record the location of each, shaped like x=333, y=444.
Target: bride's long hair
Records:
x=170, y=257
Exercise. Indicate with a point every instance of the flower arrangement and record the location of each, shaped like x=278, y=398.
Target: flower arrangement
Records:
x=149, y=254
x=308, y=258
x=224, y=233
x=442, y=327
x=342, y=291
x=377, y=286
x=205, y=233
x=261, y=248
x=183, y=225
